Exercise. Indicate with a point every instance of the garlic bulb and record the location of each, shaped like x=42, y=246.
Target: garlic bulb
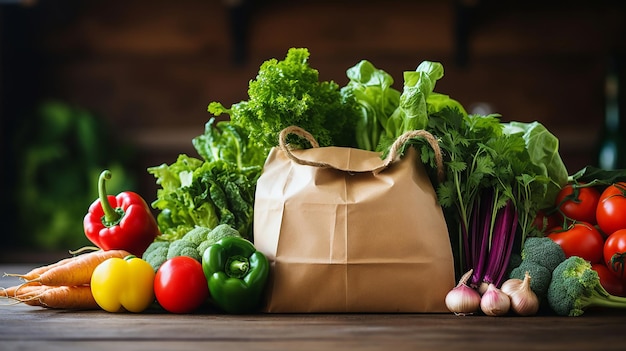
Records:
x=494, y=302
x=462, y=299
x=482, y=287
x=524, y=301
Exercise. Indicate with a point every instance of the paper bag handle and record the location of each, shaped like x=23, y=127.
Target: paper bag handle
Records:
x=393, y=155
x=282, y=142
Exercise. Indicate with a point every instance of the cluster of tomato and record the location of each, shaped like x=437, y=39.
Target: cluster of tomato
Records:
x=590, y=222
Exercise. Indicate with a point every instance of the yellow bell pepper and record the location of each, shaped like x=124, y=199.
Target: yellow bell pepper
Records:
x=120, y=285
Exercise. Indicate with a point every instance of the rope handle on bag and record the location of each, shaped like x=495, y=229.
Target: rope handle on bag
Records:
x=393, y=155
x=282, y=142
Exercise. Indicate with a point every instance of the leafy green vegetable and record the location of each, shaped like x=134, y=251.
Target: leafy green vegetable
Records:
x=487, y=160
x=231, y=143
x=181, y=199
x=543, y=149
x=598, y=176
x=437, y=102
x=498, y=175
x=387, y=113
x=373, y=91
x=412, y=112
x=217, y=189
x=287, y=93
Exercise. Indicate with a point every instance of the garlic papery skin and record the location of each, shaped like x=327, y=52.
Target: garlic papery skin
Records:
x=524, y=301
x=482, y=287
x=463, y=300
x=494, y=302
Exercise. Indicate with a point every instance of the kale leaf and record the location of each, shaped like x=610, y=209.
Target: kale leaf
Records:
x=287, y=93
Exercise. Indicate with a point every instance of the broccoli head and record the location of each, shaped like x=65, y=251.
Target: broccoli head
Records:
x=575, y=286
x=222, y=231
x=182, y=247
x=540, y=277
x=197, y=235
x=219, y=232
x=192, y=244
x=544, y=251
x=156, y=254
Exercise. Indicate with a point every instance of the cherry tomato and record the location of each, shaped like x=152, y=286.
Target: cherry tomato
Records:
x=180, y=285
x=611, y=210
x=615, y=253
x=612, y=284
x=582, y=240
x=578, y=203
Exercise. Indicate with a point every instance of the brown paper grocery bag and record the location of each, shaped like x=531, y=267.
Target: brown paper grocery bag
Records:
x=346, y=231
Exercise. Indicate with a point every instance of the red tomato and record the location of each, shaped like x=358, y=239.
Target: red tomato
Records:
x=579, y=207
x=582, y=240
x=546, y=223
x=180, y=285
x=612, y=284
x=615, y=253
x=611, y=210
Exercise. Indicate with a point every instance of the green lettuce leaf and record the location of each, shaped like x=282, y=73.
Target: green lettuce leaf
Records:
x=372, y=89
x=543, y=150
x=217, y=189
x=412, y=111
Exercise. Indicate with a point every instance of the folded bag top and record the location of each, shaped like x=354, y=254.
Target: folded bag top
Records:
x=348, y=231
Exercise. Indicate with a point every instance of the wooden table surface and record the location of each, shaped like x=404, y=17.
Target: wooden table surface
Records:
x=33, y=328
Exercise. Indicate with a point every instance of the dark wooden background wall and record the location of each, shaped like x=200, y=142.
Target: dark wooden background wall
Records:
x=151, y=67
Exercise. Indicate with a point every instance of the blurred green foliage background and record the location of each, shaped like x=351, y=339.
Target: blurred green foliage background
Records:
x=59, y=152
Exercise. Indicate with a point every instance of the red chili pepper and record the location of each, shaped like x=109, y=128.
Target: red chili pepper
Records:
x=120, y=222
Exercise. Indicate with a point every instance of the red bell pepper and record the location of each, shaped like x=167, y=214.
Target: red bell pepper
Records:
x=120, y=222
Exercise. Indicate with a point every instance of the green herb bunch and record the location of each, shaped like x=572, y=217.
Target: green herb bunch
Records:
x=514, y=163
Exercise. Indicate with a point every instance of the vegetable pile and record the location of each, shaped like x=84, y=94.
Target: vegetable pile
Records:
x=498, y=177
x=526, y=236
x=587, y=221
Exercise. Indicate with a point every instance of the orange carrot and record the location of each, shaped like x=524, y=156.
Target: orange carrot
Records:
x=16, y=290
x=61, y=297
x=78, y=271
x=36, y=272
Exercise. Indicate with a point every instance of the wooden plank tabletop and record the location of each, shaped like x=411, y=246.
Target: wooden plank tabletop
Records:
x=32, y=328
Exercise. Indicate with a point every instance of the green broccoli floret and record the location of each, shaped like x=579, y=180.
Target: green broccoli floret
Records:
x=222, y=231
x=576, y=286
x=219, y=232
x=544, y=251
x=192, y=244
x=540, y=277
x=203, y=246
x=183, y=247
x=156, y=254
x=197, y=235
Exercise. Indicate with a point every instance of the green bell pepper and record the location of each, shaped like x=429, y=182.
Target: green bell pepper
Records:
x=236, y=274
